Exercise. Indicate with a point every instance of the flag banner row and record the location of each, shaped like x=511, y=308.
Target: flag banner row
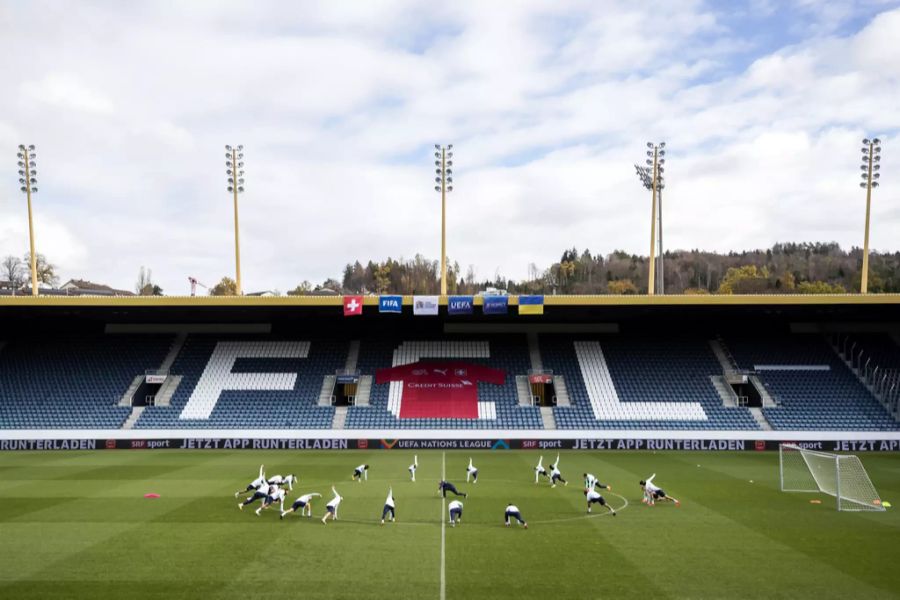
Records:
x=390, y=304
x=531, y=305
x=456, y=305
x=460, y=305
x=353, y=306
x=425, y=305
x=495, y=305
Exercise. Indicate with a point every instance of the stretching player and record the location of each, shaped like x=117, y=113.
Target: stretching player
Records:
x=540, y=470
x=331, y=509
x=472, y=472
x=555, y=475
x=595, y=498
x=287, y=480
x=652, y=493
x=360, y=472
x=253, y=484
x=456, y=508
x=591, y=482
x=413, y=467
x=304, y=503
x=275, y=495
x=512, y=512
x=262, y=490
x=446, y=486
x=388, y=506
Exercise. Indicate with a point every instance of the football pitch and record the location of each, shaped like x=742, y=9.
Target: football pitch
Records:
x=77, y=525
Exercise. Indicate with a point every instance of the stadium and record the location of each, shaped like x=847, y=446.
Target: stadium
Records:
x=718, y=418
x=106, y=400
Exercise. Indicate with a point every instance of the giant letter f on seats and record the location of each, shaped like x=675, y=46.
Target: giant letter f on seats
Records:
x=217, y=375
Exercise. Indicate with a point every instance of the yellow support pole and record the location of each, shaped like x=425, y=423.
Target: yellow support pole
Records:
x=652, y=276
x=443, y=221
x=237, y=235
x=864, y=280
x=34, y=277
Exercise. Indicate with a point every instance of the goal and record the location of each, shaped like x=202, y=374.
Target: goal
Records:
x=841, y=476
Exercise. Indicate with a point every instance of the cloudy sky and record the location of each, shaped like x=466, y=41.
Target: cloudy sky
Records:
x=338, y=104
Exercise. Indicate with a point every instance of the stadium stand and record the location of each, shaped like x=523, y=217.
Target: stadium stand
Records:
x=815, y=388
x=507, y=353
x=73, y=382
x=619, y=382
x=280, y=381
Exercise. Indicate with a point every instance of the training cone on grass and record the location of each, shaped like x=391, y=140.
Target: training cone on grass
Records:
x=815, y=502
x=151, y=495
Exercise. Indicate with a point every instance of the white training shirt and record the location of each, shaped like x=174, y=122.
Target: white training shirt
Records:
x=471, y=469
x=592, y=495
x=334, y=502
x=590, y=480
x=276, y=479
x=278, y=495
x=263, y=487
x=512, y=508
x=650, y=487
x=390, y=499
x=361, y=468
x=455, y=505
x=258, y=482
x=554, y=471
x=305, y=498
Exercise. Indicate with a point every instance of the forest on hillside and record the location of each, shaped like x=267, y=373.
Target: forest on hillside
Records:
x=808, y=268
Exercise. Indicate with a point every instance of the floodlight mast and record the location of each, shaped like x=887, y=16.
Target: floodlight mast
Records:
x=234, y=169
x=656, y=159
x=28, y=181
x=871, y=157
x=644, y=174
x=443, y=163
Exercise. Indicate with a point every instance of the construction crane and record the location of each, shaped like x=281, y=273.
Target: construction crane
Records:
x=194, y=284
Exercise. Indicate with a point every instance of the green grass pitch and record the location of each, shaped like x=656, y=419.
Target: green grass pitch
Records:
x=77, y=525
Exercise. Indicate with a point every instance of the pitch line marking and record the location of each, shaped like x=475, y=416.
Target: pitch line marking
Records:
x=443, y=530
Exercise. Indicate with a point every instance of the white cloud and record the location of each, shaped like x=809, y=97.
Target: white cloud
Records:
x=549, y=104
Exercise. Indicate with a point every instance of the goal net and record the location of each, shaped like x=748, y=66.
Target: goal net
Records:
x=841, y=476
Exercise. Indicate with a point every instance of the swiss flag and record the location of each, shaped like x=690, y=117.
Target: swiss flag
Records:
x=353, y=305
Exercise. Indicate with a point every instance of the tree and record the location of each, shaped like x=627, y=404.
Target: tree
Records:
x=621, y=286
x=226, y=287
x=301, y=290
x=820, y=287
x=46, y=271
x=13, y=271
x=744, y=280
x=145, y=285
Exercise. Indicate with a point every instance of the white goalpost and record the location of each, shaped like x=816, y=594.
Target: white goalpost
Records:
x=841, y=476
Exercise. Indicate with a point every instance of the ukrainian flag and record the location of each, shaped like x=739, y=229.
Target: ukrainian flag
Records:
x=531, y=305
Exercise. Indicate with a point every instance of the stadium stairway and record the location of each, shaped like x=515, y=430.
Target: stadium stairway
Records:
x=136, y=412
x=327, y=391
x=523, y=391
x=340, y=417
x=760, y=418
x=547, y=417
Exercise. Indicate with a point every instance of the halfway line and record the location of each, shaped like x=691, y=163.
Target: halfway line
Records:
x=443, y=529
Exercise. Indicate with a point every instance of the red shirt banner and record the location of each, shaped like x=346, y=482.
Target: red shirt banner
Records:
x=440, y=390
x=353, y=305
